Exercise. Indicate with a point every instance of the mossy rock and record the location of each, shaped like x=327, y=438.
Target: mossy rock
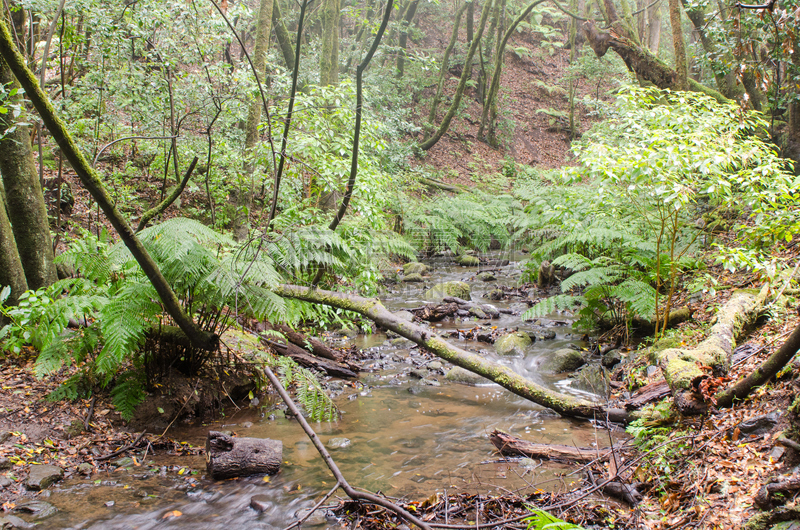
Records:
x=413, y=278
x=487, y=277
x=563, y=360
x=439, y=291
x=477, y=312
x=468, y=261
x=460, y=375
x=415, y=267
x=513, y=343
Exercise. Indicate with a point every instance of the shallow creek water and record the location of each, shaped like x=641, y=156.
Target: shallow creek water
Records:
x=406, y=439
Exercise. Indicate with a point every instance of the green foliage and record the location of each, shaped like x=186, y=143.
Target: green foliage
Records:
x=541, y=520
x=308, y=391
x=10, y=110
x=467, y=221
x=658, y=437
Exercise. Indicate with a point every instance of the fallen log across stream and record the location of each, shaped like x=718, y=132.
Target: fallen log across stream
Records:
x=505, y=377
x=512, y=446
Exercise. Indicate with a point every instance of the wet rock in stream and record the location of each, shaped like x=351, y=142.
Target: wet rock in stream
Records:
x=460, y=375
x=513, y=344
x=441, y=290
x=563, y=360
x=12, y=521
x=41, y=477
x=39, y=509
x=338, y=443
x=415, y=267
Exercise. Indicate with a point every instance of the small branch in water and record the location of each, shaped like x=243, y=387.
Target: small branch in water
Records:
x=121, y=449
x=340, y=480
x=303, y=519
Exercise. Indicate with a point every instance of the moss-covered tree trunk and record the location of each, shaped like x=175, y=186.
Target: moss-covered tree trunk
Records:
x=91, y=181
x=443, y=70
x=489, y=115
x=502, y=375
x=329, y=56
x=282, y=36
x=26, y=207
x=401, y=56
x=11, y=272
x=242, y=192
x=681, y=82
x=465, y=76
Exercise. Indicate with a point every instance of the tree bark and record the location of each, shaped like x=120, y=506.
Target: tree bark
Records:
x=91, y=181
x=401, y=57
x=27, y=211
x=505, y=377
x=498, y=70
x=282, y=36
x=681, y=80
x=11, y=272
x=329, y=56
x=242, y=192
x=445, y=66
x=682, y=367
x=465, y=76
x=229, y=457
x=512, y=446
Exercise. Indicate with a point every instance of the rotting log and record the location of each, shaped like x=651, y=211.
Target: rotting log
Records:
x=426, y=338
x=303, y=358
x=647, y=394
x=315, y=346
x=229, y=457
x=512, y=446
x=685, y=368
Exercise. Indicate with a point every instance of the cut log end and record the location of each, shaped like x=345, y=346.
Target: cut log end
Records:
x=229, y=457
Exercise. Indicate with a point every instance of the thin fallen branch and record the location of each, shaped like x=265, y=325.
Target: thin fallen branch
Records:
x=122, y=449
x=341, y=481
x=169, y=199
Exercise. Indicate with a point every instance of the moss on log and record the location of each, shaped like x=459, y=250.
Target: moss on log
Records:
x=503, y=376
x=685, y=368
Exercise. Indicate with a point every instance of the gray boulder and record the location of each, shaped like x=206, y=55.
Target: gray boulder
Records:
x=611, y=358
x=439, y=291
x=41, y=477
x=415, y=267
x=477, y=312
x=563, y=360
x=405, y=315
x=338, y=443
x=513, y=343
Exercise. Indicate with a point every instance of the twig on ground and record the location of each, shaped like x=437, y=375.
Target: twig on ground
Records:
x=121, y=449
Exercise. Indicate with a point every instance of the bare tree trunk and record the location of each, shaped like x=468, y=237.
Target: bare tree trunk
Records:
x=465, y=76
x=498, y=70
x=242, y=192
x=445, y=66
x=23, y=191
x=470, y=21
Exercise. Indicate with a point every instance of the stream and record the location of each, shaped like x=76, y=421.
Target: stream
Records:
x=398, y=434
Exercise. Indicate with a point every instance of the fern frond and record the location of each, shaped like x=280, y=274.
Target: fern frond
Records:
x=552, y=304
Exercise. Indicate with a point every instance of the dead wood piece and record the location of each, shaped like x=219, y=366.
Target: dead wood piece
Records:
x=435, y=313
x=513, y=446
x=648, y=394
x=229, y=457
x=315, y=346
x=303, y=358
x=776, y=493
x=685, y=369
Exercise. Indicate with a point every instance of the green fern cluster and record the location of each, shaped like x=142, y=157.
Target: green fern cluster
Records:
x=466, y=221
x=541, y=520
x=308, y=391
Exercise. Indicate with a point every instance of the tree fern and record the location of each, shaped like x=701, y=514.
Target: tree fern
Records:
x=308, y=390
x=560, y=302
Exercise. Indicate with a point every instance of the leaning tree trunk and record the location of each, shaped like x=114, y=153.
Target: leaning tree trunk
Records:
x=466, y=74
x=282, y=36
x=625, y=42
x=503, y=376
x=498, y=70
x=26, y=208
x=11, y=272
x=241, y=194
x=91, y=181
x=443, y=69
